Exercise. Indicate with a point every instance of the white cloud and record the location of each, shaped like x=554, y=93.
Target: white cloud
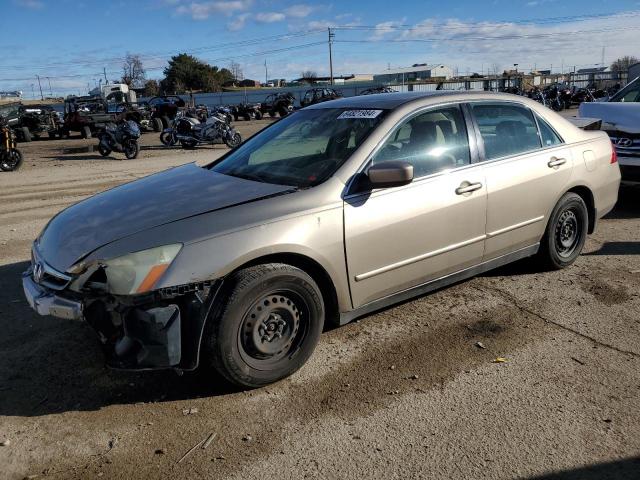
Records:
x=299, y=11
x=30, y=4
x=202, y=10
x=238, y=22
x=270, y=17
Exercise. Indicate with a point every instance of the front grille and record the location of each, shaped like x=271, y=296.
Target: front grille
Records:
x=45, y=274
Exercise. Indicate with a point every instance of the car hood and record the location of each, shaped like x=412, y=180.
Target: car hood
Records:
x=156, y=200
x=614, y=115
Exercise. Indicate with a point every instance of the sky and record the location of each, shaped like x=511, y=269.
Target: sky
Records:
x=70, y=43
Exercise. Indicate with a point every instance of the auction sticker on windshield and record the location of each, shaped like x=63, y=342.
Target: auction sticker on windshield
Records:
x=348, y=114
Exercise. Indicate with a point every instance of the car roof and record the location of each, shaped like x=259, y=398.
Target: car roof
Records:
x=391, y=101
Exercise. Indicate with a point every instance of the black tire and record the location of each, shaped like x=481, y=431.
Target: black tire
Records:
x=131, y=149
x=104, y=151
x=246, y=116
x=168, y=139
x=166, y=121
x=187, y=145
x=265, y=327
x=234, y=141
x=235, y=117
x=52, y=135
x=25, y=133
x=283, y=112
x=85, y=132
x=157, y=125
x=566, y=232
x=11, y=160
x=272, y=113
x=258, y=115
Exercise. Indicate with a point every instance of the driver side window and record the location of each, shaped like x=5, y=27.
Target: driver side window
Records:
x=432, y=142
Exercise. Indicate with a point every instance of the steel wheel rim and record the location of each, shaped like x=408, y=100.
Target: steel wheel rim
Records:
x=272, y=329
x=567, y=233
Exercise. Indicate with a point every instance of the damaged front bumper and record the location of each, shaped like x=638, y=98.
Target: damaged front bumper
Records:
x=159, y=330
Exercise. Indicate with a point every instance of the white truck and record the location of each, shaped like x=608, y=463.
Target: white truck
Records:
x=620, y=117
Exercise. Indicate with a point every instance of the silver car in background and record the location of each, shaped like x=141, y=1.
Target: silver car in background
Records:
x=331, y=213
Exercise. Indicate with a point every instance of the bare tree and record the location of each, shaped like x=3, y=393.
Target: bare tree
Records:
x=236, y=71
x=133, y=71
x=622, y=64
x=309, y=76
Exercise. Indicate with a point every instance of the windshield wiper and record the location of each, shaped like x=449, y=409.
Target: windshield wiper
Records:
x=246, y=176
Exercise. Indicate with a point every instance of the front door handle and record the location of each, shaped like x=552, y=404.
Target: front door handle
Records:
x=466, y=187
x=556, y=162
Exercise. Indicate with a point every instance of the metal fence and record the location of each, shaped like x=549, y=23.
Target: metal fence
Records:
x=524, y=82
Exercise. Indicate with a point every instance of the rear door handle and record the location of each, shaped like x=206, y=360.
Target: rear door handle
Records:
x=556, y=162
x=466, y=187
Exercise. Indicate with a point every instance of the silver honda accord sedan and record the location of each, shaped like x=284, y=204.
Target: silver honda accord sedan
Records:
x=333, y=212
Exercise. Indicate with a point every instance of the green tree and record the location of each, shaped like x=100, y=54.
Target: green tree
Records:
x=622, y=64
x=187, y=73
x=151, y=88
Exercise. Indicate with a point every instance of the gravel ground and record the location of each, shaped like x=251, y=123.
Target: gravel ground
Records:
x=404, y=393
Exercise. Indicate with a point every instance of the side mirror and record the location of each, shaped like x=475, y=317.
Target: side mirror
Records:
x=393, y=173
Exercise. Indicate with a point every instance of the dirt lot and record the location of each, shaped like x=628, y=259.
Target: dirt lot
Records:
x=404, y=393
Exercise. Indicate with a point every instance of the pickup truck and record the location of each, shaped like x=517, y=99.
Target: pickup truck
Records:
x=620, y=117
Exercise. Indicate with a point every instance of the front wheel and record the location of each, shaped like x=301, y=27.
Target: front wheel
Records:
x=11, y=160
x=233, y=140
x=131, y=149
x=168, y=139
x=566, y=232
x=104, y=150
x=266, y=326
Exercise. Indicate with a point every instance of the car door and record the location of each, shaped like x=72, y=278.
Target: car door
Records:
x=527, y=166
x=401, y=237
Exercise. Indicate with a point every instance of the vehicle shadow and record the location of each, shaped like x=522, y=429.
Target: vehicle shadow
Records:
x=626, y=469
x=628, y=205
x=52, y=365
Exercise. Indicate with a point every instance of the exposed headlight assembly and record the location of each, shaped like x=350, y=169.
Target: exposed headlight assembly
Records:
x=140, y=271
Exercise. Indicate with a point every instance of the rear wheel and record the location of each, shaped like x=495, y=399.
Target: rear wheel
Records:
x=26, y=134
x=266, y=326
x=11, y=160
x=258, y=115
x=566, y=232
x=157, y=125
x=86, y=132
x=166, y=122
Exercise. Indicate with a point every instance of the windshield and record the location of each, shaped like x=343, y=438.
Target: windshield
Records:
x=303, y=149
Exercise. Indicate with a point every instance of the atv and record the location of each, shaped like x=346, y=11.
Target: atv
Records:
x=319, y=95
x=247, y=111
x=278, y=104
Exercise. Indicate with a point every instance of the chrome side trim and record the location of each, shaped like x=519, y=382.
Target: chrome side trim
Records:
x=515, y=226
x=408, y=261
x=346, y=317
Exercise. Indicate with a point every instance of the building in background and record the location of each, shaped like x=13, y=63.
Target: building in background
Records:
x=14, y=94
x=416, y=73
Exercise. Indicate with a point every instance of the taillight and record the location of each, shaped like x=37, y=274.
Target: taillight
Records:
x=614, y=155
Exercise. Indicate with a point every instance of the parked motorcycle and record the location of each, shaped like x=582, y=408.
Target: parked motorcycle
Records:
x=10, y=156
x=121, y=138
x=214, y=130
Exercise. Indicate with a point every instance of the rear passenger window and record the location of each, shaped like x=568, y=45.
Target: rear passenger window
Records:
x=547, y=134
x=506, y=129
x=433, y=141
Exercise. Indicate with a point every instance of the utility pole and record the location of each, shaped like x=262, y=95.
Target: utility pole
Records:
x=50, y=91
x=266, y=73
x=602, y=58
x=104, y=71
x=33, y=93
x=41, y=95
x=331, y=36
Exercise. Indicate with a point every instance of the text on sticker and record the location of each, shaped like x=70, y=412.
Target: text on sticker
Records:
x=359, y=114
